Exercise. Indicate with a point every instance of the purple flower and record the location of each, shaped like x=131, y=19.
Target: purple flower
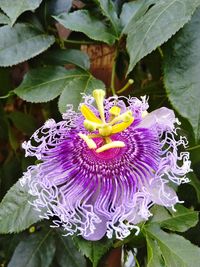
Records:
x=102, y=168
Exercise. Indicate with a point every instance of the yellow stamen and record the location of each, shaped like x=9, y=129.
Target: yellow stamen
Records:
x=99, y=95
x=91, y=144
x=115, y=111
x=91, y=126
x=126, y=116
x=113, y=144
x=117, y=128
x=89, y=115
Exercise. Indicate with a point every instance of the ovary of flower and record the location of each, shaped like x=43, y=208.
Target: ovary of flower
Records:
x=118, y=123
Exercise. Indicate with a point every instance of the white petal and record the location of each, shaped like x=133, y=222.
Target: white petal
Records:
x=163, y=118
x=162, y=194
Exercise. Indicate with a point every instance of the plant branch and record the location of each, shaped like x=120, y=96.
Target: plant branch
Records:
x=193, y=148
x=77, y=41
x=112, y=82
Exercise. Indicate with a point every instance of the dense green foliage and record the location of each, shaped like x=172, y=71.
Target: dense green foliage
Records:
x=43, y=67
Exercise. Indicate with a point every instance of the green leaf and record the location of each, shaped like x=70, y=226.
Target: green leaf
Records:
x=23, y=122
x=67, y=254
x=83, y=21
x=44, y=84
x=183, y=80
x=21, y=43
x=156, y=26
x=63, y=57
x=176, y=250
x=72, y=94
x=13, y=11
x=180, y=220
x=37, y=250
x=4, y=19
x=195, y=182
x=12, y=139
x=94, y=250
x=132, y=11
x=58, y=6
x=16, y=214
x=154, y=254
x=109, y=10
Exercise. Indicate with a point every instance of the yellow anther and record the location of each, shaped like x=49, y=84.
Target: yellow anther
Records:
x=89, y=115
x=144, y=113
x=126, y=117
x=91, y=126
x=115, y=111
x=117, y=128
x=106, y=130
x=99, y=95
x=113, y=144
x=90, y=143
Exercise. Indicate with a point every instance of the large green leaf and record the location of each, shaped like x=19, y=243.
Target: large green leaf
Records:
x=72, y=94
x=23, y=122
x=109, y=10
x=58, y=6
x=14, y=9
x=44, y=84
x=4, y=19
x=183, y=80
x=195, y=182
x=16, y=214
x=154, y=254
x=67, y=254
x=83, y=21
x=37, y=250
x=180, y=220
x=156, y=26
x=63, y=57
x=176, y=250
x=94, y=250
x=21, y=43
x=132, y=11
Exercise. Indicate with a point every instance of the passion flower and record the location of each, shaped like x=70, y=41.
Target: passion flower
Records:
x=103, y=167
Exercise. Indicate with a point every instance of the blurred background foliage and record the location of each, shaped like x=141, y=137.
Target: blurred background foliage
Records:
x=51, y=51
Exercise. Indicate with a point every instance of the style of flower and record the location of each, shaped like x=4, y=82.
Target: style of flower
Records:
x=103, y=167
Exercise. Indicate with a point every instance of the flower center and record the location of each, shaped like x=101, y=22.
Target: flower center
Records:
x=106, y=154
x=116, y=123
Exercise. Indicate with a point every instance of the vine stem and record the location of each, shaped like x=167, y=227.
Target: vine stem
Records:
x=8, y=95
x=193, y=148
x=112, y=82
x=77, y=42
